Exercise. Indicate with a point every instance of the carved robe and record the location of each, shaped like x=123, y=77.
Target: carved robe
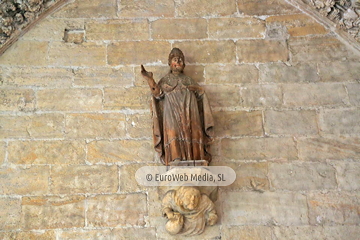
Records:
x=182, y=121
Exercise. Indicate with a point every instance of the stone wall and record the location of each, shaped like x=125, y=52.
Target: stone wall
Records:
x=75, y=120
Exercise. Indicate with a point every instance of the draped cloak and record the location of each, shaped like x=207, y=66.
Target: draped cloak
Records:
x=182, y=121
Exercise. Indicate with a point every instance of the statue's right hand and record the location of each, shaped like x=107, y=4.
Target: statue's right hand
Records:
x=145, y=73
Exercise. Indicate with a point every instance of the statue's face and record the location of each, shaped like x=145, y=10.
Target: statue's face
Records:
x=177, y=64
x=191, y=199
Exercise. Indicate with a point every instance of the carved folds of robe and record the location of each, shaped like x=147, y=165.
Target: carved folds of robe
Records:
x=183, y=121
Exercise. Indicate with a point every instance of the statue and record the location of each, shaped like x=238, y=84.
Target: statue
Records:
x=188, y=211
x=182, y=118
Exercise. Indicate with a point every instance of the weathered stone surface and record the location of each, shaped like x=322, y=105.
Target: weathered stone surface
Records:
x=138, y=52
x=223, y=96
x=251, y=208
x=69, y=99
x=195, y=28
x=208, y=51
x=139, y=125
x=120, y=151
x=340, y=121
x=231, y=74
x=38, y=77
x=128, y=181
x=67, y=54
x=41, y=125
x=27, y=53
x=334, y=208
x=117, y=210
x=77, y=234
x=10, y=213
x=204, y=8
x=265, y=7
x=300, y=232
x=260, y=50
x=46, y=152
x=238, y=123
x=127, y=98
x=347, y=175
x=264, y=95
x=247, y=232
x=236, y=28
x=128, y=233
x=70, y=179
x=103, y=77
x=151, y=8
x=316, y=49
x=95, y=125
x=17, y=100
x=53, y=212
x=88, y=9
x=23, y=181
x=76, y=36
x=259, y=148
x=302, y=176
x=2, y=152
x=353, y=90
x=119, y=30
x=320, y=94
x=329, y=148
x=342, y=232
x=281, y=73
x=336, y=71
x=211, y=232
x=291, y=122
x=31, y=235
x=298, y=24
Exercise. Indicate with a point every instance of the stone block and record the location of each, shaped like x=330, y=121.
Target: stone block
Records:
x=247, y=232
x=300, y=232
x=260, y=50
x=333, y=208
x=281, y=73
x=231, y=74
x=116, y=210
x=70, y=54
x=53, y=212
x=205, y=8
x=38, y=77
x=264, y=95
x=139, y=125
x=30, y=235
x=10, y=213
x=317, y=49
x=208, y=51
x=93, y=125
x=259, y=149
x=342, y=232
x=252, y=208
x=238, y=123
x=2, y=152
x=33, y=53
x=23, y=181
x=331, y=148
x=76, y=36
x=88, y=9
x=17, y=100
x=195, y=28
x=120, y=151
x=151, y=8
x=81, y=234
x=128, y=181
x=46, y=152
x=129, y=233
x=69, y=99
x=247, y=27
x=70, y=179
x=340, y=121
x=319, y=94
x=353, y=90
x=223, y=96
x=347, y=175
x=140, y=52
x=305, y=176
x=296, y=123
x=119, y=30
x=265, y=7
x=298, y=24
x=34, y=126
x=336, y=71
x=127, y=98
x=211, y=232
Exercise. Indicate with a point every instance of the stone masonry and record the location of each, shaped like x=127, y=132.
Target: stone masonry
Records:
x=75, y=121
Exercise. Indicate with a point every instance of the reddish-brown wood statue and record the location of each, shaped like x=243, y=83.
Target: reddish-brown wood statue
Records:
x=182, y=116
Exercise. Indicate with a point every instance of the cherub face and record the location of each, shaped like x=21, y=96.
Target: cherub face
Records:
x=191, y=199
x=177, y=64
